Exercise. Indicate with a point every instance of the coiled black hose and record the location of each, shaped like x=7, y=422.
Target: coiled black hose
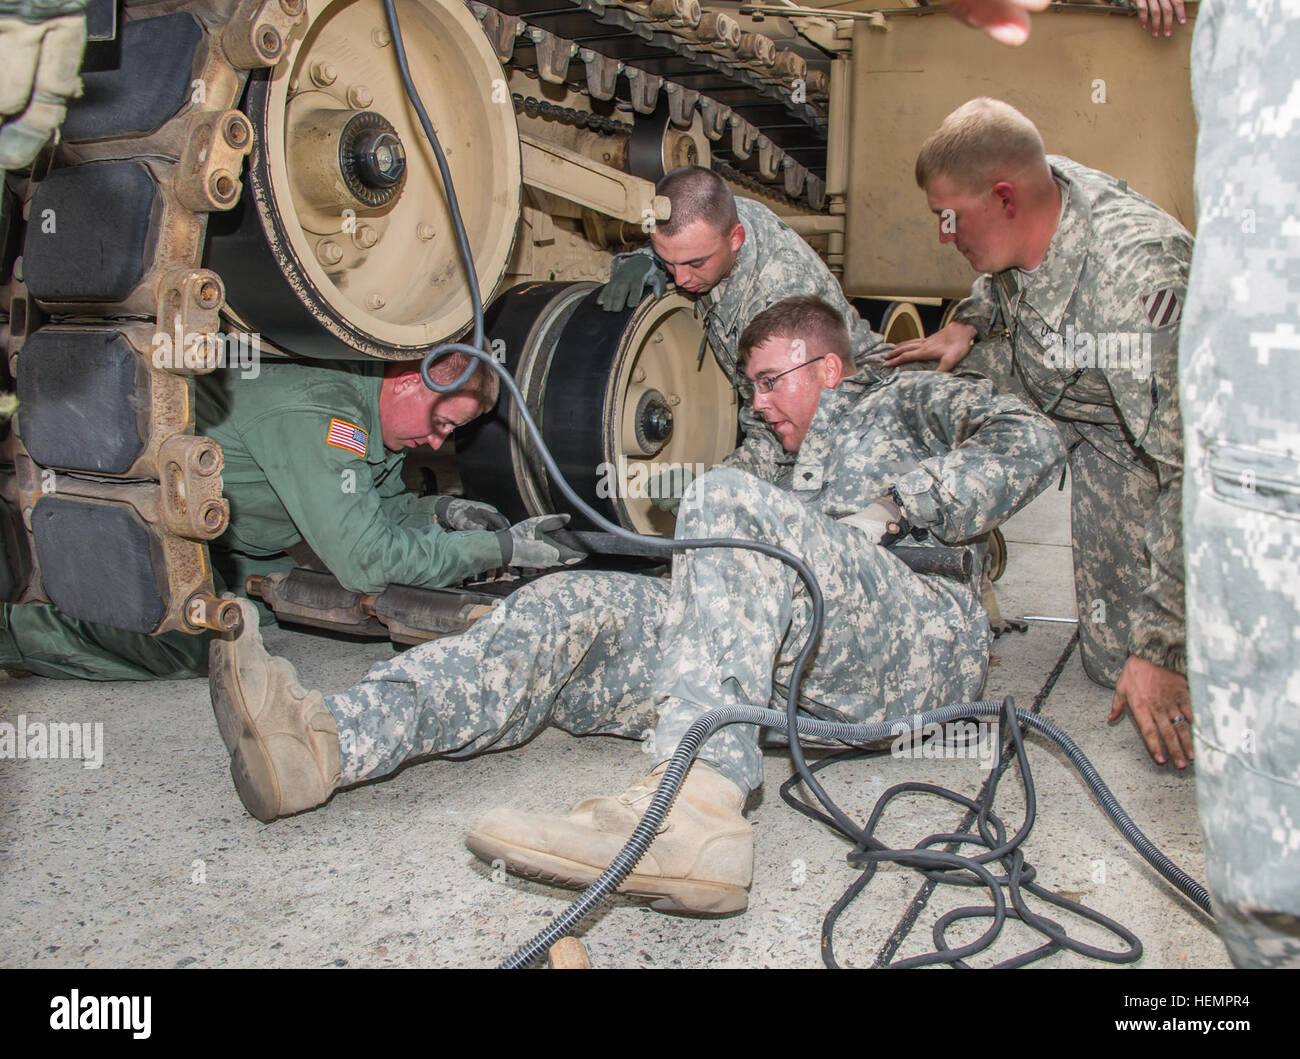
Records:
x=621, y=866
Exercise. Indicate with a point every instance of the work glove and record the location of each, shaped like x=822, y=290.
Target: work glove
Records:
x=629, y=275
x=42, y=44
x=458, y=514
x=663, y=489
x=883, y=521
x=530, y=544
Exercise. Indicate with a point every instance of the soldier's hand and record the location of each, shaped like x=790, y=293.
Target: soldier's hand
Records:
x=629, y=274
x=1158, y=11
x=668, y=487
x=42, y=45
x=530, y=544
x=883, y=520
x=948, y=346
x=458, y=514
x=1162, y=706
x=1005, y=21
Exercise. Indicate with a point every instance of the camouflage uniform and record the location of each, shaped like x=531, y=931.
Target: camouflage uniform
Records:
x=773, y=263
x=1241, y=375
x=305, y=461
x=622, y=654
x=1092, y=336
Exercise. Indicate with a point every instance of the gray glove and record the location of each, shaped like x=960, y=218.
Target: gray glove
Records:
x=530, y=544
x=458, y=514
x=629, y=275
x=662, y=488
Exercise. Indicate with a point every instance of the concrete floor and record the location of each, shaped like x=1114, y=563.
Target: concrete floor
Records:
x=151, y=861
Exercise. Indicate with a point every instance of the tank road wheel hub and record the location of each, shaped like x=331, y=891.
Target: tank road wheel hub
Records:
x=622, y=399
x=346, y=243
x=371, y=158
x=667, y=411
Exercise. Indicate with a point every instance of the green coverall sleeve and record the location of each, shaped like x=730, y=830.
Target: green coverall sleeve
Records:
x=408, y=510
x=330, y=495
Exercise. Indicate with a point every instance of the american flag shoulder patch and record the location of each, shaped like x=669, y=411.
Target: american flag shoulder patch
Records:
x=345, y=435
x=1163, y=307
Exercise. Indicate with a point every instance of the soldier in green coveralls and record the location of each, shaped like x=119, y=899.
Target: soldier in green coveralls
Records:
x=314, y=457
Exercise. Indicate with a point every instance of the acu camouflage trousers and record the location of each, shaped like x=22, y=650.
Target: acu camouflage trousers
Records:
x=1111, y=564
x=644, y=657
x=1113, y=490
x=1240, y=373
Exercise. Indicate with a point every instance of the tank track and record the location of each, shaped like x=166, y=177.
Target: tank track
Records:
x=762, y=107
x=586, y=119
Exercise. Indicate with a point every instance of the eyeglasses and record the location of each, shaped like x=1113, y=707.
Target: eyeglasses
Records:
x=767, y=383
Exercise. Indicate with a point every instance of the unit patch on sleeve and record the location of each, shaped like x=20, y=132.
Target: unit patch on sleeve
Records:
x=1163, y=307
x=344, y=435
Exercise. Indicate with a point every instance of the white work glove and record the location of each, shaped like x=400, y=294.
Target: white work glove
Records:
x=882, y=521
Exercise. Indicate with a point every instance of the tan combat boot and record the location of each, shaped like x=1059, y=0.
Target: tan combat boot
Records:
x=283, y=742
x=700, y=863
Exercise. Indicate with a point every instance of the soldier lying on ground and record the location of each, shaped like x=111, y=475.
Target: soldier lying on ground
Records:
x=1079, y=307
x=313, y=467
x=620, y=654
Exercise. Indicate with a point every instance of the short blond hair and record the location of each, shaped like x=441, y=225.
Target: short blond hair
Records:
x=483, y=384
x=979, y=141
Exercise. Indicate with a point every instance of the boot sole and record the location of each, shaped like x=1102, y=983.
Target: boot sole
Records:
x=250, y=764
x=672, y=896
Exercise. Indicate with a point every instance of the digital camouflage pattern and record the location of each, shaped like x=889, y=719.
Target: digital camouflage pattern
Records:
x=1241, y=377
x=641, y=656
x=1092, y=336
x=555, y=653
x=773, y=263
x=1112, y=568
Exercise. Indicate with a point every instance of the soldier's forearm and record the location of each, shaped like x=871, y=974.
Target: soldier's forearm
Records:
x=1159, y=631
x=408, y=510
x=978, y=310
x=384, y=553
x=1003, y=465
